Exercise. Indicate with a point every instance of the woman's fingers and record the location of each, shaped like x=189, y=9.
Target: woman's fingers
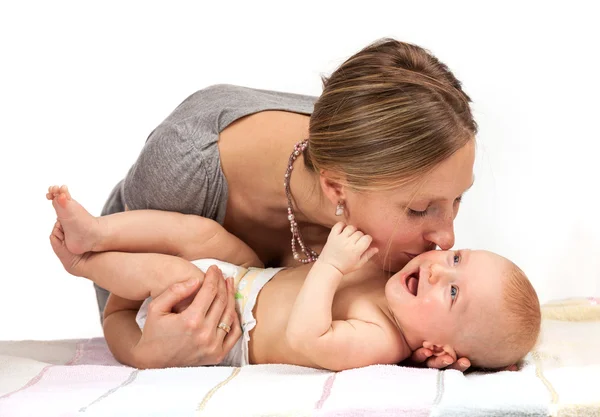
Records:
x=511, y=368
x=461, y=365
x=439, y=362
x=218, y=303
x=229, y=315
x=198, y=309
x=233, y=336
x=421, y=355
x=164, y=303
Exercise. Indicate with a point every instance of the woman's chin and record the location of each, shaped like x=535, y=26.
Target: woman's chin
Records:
x=391, y=263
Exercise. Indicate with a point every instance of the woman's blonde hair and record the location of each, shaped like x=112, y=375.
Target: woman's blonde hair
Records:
x=387, y=116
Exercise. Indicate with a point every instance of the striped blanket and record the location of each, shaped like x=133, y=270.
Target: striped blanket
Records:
x=81, y=378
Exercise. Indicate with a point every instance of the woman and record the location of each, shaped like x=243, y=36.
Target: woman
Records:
x=387, y=147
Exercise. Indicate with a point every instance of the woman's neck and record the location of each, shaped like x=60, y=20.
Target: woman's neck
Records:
x=310, y=206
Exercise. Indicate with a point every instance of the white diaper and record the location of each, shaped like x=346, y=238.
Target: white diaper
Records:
x=249, y=283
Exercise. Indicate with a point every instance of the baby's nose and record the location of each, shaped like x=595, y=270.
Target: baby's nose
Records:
x=439, y=273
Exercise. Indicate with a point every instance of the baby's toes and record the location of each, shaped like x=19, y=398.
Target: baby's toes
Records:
x=65, y=190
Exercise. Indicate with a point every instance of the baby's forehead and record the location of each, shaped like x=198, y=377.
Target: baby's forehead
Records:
x=489, y=261
x=485, y=284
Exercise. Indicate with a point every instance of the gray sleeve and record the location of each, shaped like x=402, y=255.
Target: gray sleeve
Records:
x=179, y=168
x=169, y=174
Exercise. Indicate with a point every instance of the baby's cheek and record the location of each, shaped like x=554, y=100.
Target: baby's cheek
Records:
x=431, y=307
x=428, y=303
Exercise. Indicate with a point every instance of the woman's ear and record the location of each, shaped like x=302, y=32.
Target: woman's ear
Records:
x=332, y=186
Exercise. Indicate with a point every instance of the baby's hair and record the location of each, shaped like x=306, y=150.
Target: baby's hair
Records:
x=523, y=310
x=521, y=320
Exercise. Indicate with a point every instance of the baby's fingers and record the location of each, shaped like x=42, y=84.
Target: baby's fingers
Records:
x=364, y=242
x=337, y=228
x=349, y=230
x=368, y=255
x=356, y=236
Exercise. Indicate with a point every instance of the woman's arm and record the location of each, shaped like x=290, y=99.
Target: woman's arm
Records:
x=121, y=331
x=189, y=338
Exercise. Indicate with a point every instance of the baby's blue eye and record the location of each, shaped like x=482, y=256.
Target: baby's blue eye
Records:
x=453, y=292
x=456, y=259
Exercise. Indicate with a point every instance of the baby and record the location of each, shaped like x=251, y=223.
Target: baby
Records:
x=339, y=313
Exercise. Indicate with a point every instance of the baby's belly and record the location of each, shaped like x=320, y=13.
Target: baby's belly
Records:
x=268, y=343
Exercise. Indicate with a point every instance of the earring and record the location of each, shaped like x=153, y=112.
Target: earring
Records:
x=339, y=210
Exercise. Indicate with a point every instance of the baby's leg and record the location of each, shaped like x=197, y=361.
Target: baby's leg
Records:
x=133, y=276
x=151, y=231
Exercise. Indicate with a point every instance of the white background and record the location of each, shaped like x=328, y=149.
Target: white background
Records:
x=84, y=83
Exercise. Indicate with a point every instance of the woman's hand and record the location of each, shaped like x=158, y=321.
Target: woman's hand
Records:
x=191, y=337
x=425, y=356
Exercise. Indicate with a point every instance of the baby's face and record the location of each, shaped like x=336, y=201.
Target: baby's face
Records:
x=440, y=296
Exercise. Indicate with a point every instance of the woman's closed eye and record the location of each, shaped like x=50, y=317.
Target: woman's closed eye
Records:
x=417, y=213
x=423, y=213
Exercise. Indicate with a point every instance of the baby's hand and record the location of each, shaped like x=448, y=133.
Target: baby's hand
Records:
x=347, y=249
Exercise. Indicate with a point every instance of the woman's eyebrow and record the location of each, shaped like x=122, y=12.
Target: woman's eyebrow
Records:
x=434, y=198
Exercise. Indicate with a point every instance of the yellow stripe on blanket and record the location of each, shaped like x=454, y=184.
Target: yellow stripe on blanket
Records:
x=572, y=309
x=566, y=358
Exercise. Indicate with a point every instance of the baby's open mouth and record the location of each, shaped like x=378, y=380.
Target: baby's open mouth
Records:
x=412, y=283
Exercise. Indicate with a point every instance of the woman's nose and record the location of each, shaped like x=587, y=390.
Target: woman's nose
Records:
x=442, y=234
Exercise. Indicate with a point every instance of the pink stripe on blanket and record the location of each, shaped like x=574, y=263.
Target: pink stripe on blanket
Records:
x=94, y=352
x=374, y=412
x=326, y=391
x=39, y=376
x=52, y=392
x=30, y=383
x=87, y=352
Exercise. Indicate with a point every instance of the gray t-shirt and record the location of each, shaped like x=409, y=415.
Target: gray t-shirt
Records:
x=179, y=168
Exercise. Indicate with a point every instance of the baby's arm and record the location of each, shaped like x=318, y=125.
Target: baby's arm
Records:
x=337, y=344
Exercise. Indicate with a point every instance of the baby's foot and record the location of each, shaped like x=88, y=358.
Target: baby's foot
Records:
x=72, y=263
x=79, y=227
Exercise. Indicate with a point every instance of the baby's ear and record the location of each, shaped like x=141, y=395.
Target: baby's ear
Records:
x=439, y=350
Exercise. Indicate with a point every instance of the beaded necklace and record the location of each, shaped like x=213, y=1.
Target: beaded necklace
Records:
x=309, y=254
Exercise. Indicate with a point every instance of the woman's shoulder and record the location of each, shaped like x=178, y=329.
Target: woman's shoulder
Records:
x=216, y=106
x=235, y=96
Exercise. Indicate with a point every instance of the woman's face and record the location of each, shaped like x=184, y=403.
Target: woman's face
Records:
x=410, y=220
